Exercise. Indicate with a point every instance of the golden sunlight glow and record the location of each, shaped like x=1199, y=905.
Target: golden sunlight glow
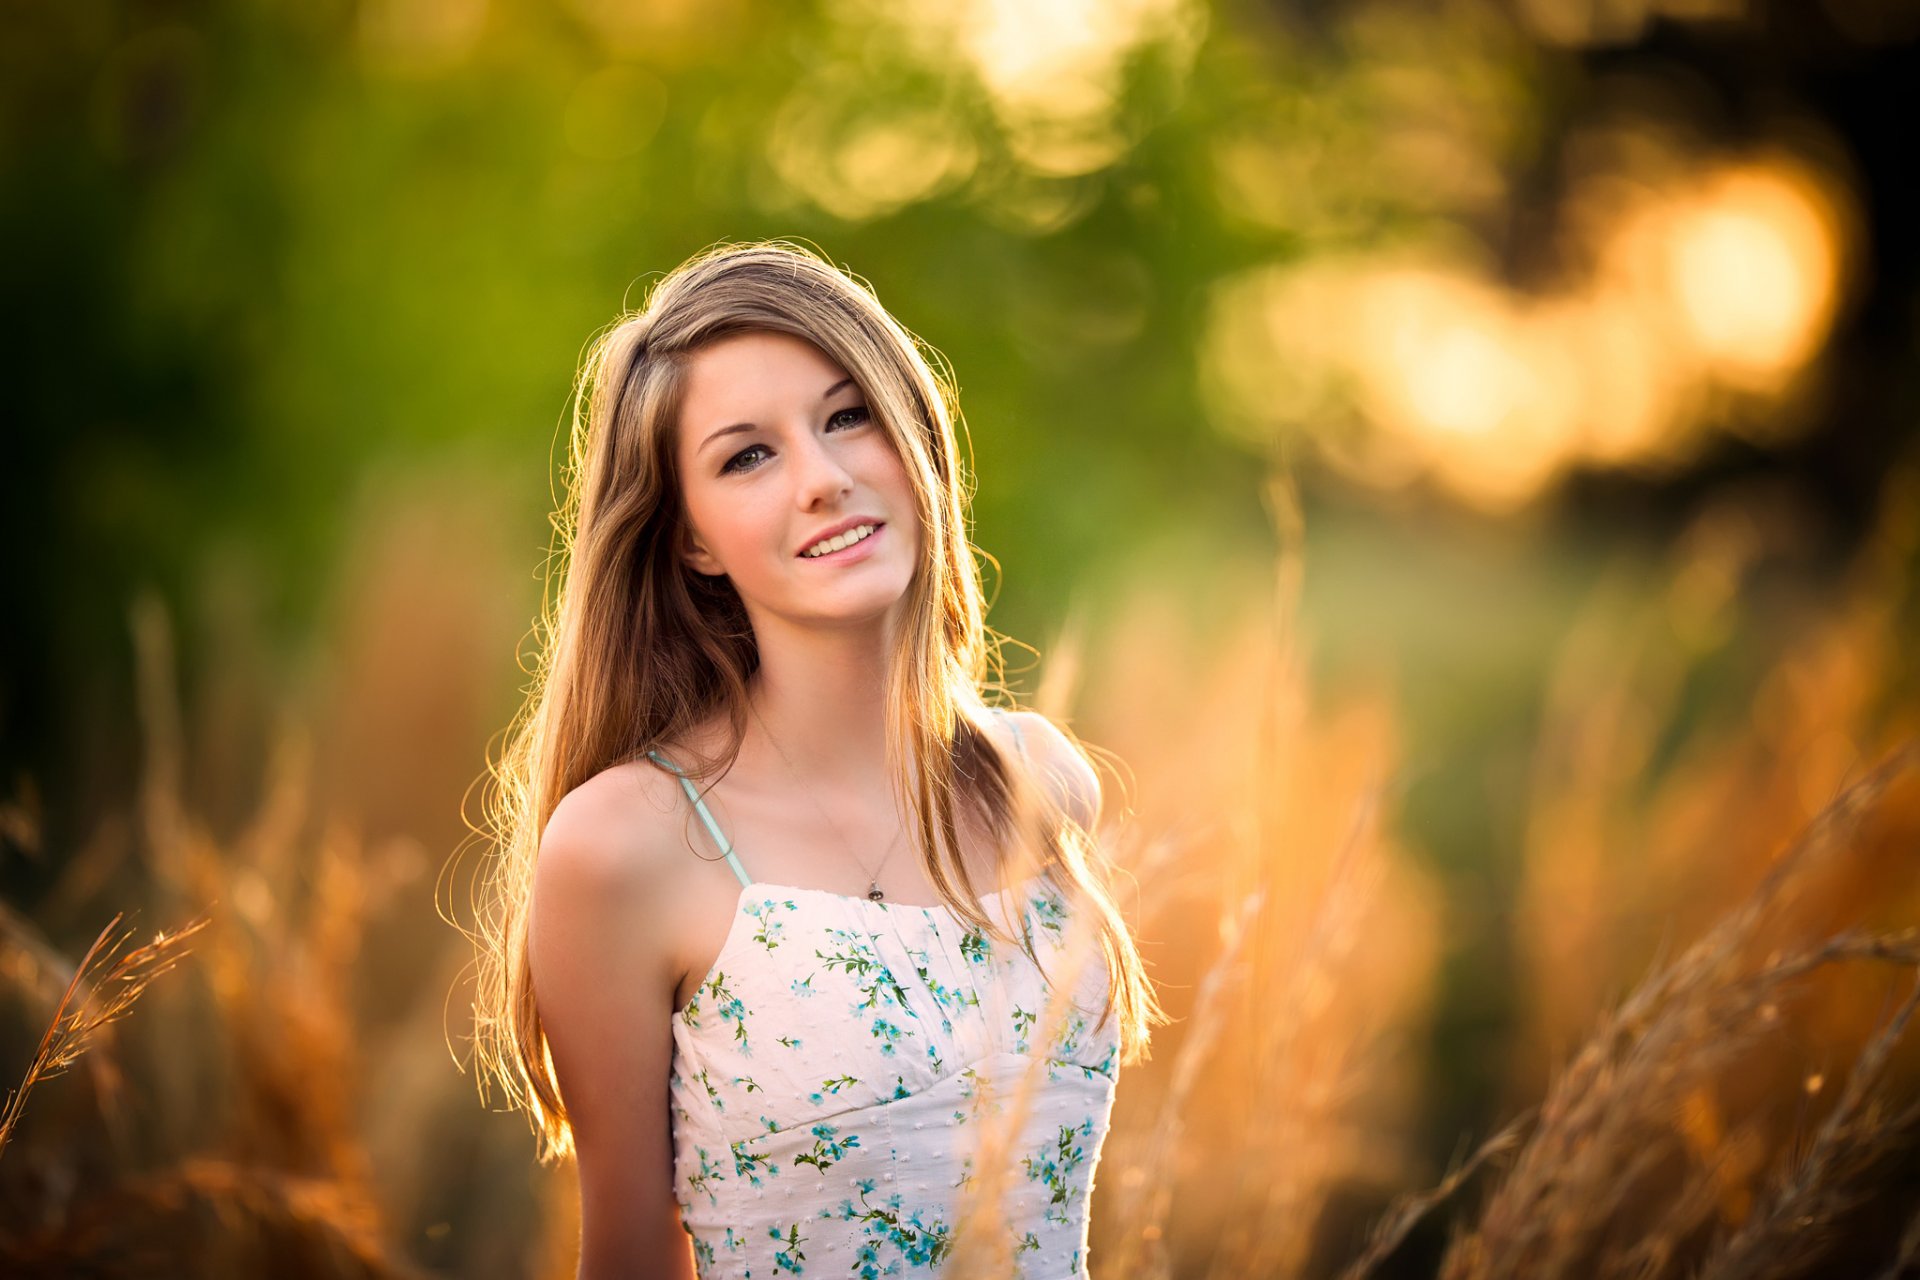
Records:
x=1449, y=365
x=1052, y=70
x=1632, y=400
x=1754, y=268
x=1276, y=345
x=1439, y=356
x=858, y=166
x=1429, y=363
x=896, y=161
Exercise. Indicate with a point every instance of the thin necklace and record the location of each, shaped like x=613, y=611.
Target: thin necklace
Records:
x=873, y=877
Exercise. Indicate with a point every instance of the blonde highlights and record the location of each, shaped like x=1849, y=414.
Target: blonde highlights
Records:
x=634, y=649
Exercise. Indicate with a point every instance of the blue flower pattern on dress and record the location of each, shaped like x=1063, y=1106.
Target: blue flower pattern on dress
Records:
x=803, y=1148
x=771, y=925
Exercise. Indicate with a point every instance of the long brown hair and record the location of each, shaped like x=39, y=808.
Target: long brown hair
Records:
x=636, y=650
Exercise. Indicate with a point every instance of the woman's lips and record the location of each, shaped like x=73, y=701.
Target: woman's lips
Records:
x=847, y=555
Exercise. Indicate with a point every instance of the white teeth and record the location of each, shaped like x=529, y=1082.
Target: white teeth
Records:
x=858, y=533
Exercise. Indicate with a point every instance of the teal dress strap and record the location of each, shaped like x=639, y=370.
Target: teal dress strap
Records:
x=1013, y=727
x=706, y=815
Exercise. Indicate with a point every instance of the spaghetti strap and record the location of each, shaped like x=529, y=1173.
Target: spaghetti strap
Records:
x=706, y=816
x=1013, y=727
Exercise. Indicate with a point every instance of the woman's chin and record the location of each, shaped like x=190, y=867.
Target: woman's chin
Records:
x=864, y=609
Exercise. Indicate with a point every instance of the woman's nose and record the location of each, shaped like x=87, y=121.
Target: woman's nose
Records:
x=822, y=477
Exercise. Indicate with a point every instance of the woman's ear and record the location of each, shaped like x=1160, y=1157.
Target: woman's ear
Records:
x=694, y=553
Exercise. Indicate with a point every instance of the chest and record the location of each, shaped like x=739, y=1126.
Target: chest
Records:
x=803, y=850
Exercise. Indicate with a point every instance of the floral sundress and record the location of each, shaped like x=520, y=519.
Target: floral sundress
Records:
x=852, y=1077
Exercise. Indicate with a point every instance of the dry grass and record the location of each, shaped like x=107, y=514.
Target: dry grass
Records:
x=101, y=991
x=236, y=1150
x=212, y=1217
x=1297, y=938
x=1648, y=1159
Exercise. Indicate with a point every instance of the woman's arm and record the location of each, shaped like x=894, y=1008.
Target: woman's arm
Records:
x=604, y=984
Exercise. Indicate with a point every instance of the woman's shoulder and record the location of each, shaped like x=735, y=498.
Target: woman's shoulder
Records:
x=1058, y=761
x=619, y=831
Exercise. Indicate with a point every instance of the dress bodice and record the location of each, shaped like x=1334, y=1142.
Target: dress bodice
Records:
x=836, y=1070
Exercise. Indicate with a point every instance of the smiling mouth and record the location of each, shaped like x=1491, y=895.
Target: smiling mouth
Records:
x=840, y=542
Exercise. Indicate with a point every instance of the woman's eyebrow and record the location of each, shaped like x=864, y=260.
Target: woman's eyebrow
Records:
x=733, y=430
x=738, y=427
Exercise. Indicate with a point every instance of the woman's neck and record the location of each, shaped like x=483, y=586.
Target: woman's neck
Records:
x=821, y=697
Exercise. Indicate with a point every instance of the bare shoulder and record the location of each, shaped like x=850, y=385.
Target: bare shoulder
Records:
x=605, y=876
x=618, y=831
x=1061, y=764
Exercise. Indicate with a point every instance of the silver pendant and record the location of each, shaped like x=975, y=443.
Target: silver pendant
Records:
x=874, y=894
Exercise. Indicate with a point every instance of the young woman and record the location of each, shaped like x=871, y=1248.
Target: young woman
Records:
x=787, y=926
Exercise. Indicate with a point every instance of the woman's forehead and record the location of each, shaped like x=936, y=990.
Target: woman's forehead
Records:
x=750, y=377
x=744, y=360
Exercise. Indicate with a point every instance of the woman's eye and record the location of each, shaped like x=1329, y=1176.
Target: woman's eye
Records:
x=850, y=417
x=745, y=460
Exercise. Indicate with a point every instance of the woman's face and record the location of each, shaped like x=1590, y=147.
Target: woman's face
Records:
x=778, y=455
